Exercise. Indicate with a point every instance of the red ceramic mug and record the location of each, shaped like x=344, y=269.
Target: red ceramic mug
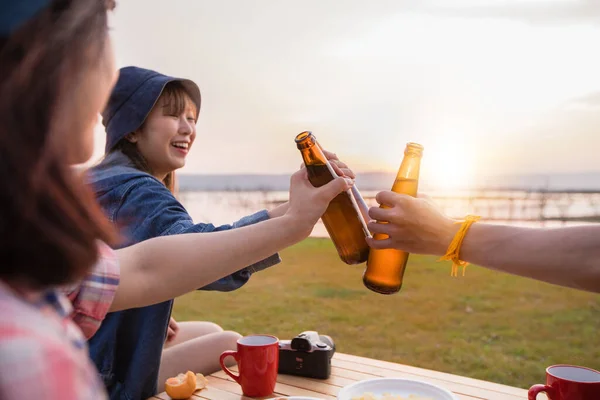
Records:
x=569, y=382
x=257, y=357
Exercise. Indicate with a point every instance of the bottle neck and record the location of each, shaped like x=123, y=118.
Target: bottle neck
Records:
x=411, y=163
x=310, y=149
x=305, y=140
x=413, y=150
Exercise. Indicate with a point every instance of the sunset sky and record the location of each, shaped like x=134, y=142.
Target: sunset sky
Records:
x=488, y=87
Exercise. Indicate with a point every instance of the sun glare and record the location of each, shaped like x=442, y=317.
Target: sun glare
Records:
x=448, y=165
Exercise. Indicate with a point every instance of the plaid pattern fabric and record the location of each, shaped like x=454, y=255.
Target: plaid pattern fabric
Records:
x=92, y=298
x=43, y=352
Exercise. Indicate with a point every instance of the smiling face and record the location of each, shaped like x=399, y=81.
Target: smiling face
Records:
x=168, y=133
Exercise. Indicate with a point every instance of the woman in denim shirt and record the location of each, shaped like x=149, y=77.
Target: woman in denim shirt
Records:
x=150, y=123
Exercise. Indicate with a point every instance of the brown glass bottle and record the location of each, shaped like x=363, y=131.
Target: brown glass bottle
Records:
x=385, y=267
x=342, y=219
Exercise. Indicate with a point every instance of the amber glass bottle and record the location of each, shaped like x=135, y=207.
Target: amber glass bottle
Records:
x=385, y=267
x=342, y=219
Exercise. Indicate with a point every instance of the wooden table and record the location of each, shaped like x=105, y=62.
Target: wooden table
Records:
x=347, y=369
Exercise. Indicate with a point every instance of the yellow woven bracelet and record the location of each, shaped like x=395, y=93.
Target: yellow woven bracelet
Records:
x=453, y=252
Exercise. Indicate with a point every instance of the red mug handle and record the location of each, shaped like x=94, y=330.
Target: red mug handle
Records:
x=536, y=389
x=224, y=355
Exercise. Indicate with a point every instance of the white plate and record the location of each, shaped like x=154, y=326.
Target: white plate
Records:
x=395, y=387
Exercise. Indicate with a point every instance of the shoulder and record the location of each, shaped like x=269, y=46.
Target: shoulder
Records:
x=125, y=186
x=105, y=177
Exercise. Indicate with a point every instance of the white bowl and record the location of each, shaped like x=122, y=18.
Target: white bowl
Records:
x=395, y=387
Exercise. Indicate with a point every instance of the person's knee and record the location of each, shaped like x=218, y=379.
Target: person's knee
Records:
x=213, y=327
x=200, y=328
x=228, y=341
x=230, y=338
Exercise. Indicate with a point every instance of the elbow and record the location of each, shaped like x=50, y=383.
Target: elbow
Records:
x=227, y=284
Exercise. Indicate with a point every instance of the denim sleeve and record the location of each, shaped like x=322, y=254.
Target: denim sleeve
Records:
x=148, y=209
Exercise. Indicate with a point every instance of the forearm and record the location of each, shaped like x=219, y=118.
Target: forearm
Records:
x=279, y=210
x=163, y=268
x=563, y=256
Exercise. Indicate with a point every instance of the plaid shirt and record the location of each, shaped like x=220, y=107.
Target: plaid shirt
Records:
x=43, y=350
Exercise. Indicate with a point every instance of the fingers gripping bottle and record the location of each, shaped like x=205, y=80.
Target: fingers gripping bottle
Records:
x=385, y=267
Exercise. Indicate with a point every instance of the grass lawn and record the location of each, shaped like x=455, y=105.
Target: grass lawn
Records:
x=485, y=325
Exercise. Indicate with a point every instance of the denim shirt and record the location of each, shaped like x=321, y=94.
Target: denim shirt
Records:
x=128, y=346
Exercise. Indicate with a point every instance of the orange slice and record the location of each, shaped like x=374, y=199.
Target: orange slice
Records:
x=201, y=382
x=182, y=386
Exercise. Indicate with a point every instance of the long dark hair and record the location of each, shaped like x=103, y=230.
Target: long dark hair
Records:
x=50, y=224
x=176, y=99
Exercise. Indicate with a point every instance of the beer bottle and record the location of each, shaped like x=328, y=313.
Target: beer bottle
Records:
x=342, y=219
x=385, y=267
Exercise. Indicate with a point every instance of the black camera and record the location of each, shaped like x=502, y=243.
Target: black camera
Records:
x=308, y=354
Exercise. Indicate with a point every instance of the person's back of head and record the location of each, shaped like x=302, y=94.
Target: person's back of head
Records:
x=53, y=61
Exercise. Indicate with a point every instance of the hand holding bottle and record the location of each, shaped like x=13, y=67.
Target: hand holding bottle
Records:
x=414, y=225
x=339, y=167
x=308, y=203
x=385, y=266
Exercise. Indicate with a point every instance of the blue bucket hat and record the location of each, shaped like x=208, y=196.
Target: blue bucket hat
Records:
x=14, y=13
x=132, y=99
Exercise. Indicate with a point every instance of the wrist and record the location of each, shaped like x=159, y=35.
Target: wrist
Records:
x=448, y=230
x=297, y=226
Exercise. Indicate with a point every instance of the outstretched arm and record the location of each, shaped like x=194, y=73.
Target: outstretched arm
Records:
x=567, y=256
x=163, y=268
